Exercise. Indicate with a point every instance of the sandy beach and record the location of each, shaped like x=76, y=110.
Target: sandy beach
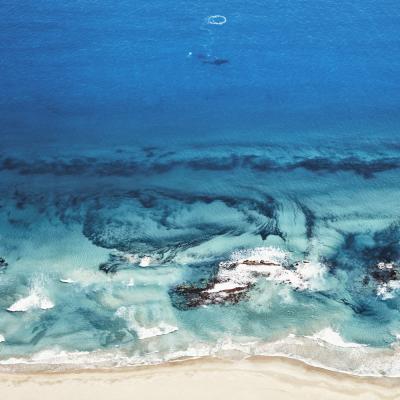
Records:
x=258, y=378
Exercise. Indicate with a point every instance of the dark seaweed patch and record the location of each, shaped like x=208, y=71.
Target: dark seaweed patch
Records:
x=120, y=167
x=39, y=331
x=309, y=217
x=100, y=321
x=261, y=164
x=366, y=169
x=369, y=264
x=270, y=228
x=215, y=164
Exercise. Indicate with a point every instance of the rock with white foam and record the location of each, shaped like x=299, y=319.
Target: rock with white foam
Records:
x=272, y=264
x=236, y=276
x=387, y=279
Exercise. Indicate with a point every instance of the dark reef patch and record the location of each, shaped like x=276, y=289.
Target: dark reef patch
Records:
x=371, y=262
x=215, y=164
x=385, y=248
x=114, y=328
x=155, y=162
x=364, y=168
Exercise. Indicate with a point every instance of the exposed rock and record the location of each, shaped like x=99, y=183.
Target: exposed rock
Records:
x=236, y=277
x=384, y=272
x=387, y=278
x=191, y=296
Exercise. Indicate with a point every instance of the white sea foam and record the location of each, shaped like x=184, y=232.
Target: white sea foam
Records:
x=130, y=283
x=362, y=361
x=388, y=289
x=131, y=258
x=85, y=277
x=328, y=335
x=383, y=291
x=144, y=329
x=225, y=286
x=216, y=20
x=246, y=266
x=36, y=299
x=54, y=356
x=32, y=301
x=67, y=280
x=145, y=261
x=260, y=253
x=162, y=329
x=2, y=338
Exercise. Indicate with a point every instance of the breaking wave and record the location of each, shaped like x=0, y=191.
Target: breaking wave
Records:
x=36, y=299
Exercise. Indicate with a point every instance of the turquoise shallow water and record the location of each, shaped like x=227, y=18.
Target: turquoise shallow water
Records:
x=135, y=255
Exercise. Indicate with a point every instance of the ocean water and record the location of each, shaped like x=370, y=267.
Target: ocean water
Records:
x=186, y=180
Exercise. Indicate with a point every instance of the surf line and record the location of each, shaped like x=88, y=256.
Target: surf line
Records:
x=216, y=20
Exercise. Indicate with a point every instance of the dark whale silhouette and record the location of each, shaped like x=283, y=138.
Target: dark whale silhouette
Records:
x=212, y=60
x=217, y=61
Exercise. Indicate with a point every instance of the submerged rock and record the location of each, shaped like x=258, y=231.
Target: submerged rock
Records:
x=117, y=262
x=120, y=260
x=3, y=263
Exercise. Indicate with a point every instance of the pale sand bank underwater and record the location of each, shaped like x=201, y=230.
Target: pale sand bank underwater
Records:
x=209, y=378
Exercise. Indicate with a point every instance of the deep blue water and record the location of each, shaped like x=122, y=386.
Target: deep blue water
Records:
x=171, y=187
x=106, y=72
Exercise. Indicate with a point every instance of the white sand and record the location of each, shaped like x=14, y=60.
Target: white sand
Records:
x=260, y=378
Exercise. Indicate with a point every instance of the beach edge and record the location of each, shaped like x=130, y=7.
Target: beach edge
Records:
x=208, y=377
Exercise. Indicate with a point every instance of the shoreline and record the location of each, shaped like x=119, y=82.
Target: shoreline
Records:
x=208, y=377
x=312, y=351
